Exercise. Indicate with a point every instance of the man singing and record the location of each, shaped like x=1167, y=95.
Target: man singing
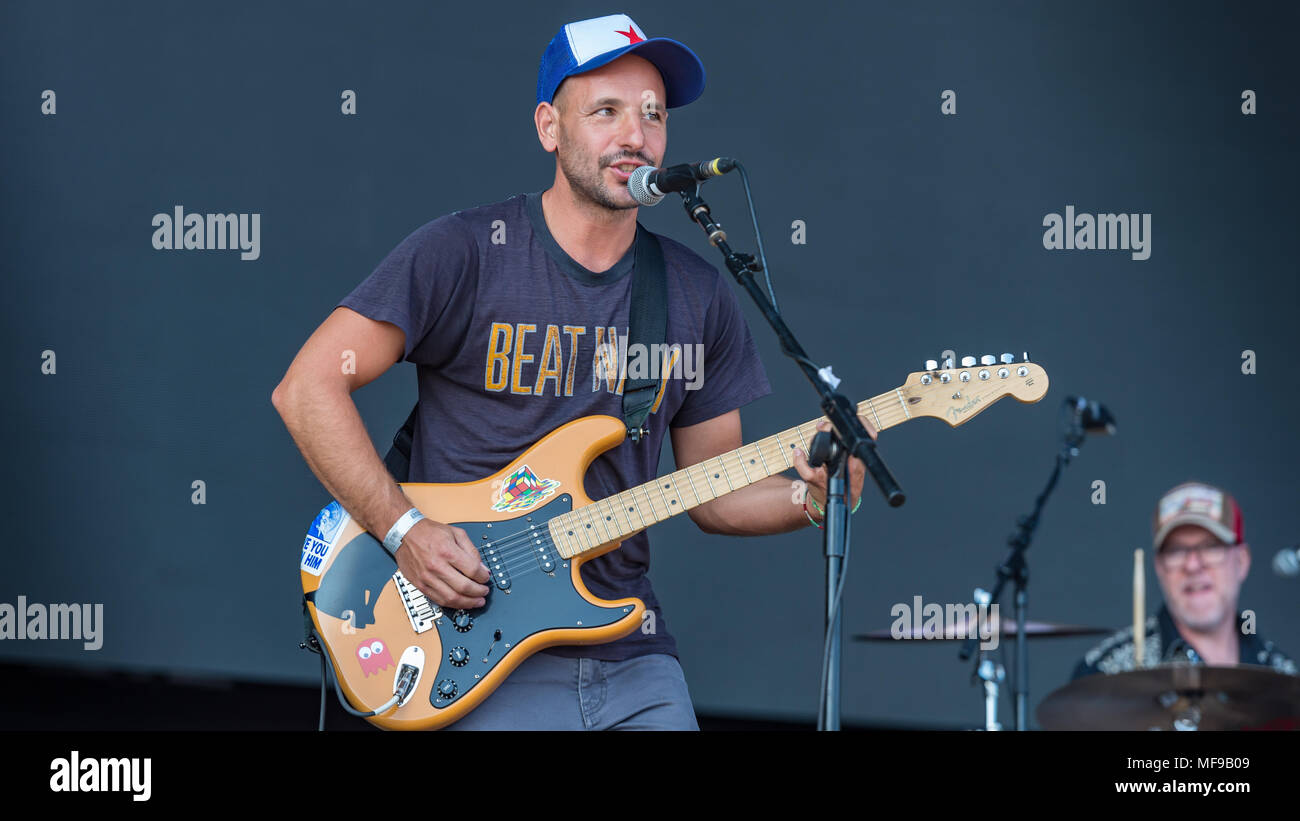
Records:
x=504, y=309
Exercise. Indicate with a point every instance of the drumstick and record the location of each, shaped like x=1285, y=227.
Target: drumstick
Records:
x=1139, y=607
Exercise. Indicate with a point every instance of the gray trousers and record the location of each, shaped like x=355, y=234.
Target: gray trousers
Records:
x=551, y=693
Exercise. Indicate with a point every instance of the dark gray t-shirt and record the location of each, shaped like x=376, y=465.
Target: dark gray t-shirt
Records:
x=503, y=327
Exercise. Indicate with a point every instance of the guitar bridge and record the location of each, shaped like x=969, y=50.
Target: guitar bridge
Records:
x=422, y=612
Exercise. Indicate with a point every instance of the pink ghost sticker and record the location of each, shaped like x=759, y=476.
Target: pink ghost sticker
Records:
x=374, y=656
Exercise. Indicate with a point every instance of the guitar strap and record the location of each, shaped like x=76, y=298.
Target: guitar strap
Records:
x=647, y=324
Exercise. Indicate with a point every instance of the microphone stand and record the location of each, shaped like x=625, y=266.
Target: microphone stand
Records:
x=1014, y=568
x=847, y=438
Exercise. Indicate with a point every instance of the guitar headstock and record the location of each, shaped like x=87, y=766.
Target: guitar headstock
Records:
x=956, y=394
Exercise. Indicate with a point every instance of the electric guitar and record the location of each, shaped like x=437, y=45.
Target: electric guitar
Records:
x=416, y=666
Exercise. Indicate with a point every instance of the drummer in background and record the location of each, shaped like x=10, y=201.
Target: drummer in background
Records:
x=1201, y=559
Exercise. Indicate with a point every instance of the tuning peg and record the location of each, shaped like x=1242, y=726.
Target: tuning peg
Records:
x=931, y=365
x=988, y=359
x=947, y=364
x=1026, y=355
x=1008, y=358
x=968, y=361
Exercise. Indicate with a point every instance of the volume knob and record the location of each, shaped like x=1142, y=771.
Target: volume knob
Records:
x=447, y=689
x=458, y=657
x=462, y=621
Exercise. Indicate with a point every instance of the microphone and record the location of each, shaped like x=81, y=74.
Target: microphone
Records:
x=1092, y=416
x=1287, y=562
x=649, y=185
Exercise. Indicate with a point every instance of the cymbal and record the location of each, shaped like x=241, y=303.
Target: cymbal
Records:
x=1176, y=697
x=1033, y=630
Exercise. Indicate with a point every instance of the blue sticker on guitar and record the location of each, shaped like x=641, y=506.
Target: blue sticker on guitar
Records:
x=322, y=536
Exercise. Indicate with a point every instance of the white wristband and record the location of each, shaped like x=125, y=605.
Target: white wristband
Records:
x=398, y=532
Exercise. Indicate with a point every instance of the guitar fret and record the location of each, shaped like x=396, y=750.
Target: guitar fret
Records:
x=872, y=406
x=669, y=507
x=691, y=481
x=593, y=518
x=584, y=519
x=903, y=402
x=615, y=510
x=561, y=541
x=705, y=470
x=676, y=491
x=639, y=507
x=758, y=447
x=668, y=504
x=743, y=470
x=576, y=530
x=787, y=451
x=654, y=514
x=725, y=477
x=582, y=526
x=623, y=509
x=603, y=519
x=627, y=506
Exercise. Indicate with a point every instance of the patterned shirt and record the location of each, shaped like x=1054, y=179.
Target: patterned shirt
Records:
x=1164, y=644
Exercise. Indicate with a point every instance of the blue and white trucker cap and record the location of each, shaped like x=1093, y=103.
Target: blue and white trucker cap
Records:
x=590, y=44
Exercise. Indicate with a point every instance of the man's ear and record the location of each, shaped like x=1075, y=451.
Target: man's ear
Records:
x=547, y=120
x=1245, y=562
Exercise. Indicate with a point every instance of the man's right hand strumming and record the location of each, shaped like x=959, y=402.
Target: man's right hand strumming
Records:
x=442, y=561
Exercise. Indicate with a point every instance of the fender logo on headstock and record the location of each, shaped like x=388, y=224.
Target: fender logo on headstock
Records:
x=956, y=412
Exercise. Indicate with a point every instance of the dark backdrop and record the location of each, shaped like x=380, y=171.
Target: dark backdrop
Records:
x=924, y=232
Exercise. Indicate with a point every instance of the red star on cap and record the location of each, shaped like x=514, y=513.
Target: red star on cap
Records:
x=631, y=35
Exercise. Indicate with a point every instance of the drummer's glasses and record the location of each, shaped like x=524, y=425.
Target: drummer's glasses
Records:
x=1212, y=554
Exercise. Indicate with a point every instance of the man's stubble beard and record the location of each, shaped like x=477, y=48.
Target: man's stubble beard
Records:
x=586, y=179
x=1207, y=623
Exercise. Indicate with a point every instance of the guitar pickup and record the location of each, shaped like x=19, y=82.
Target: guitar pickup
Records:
x=500, y=577
x=545, y=558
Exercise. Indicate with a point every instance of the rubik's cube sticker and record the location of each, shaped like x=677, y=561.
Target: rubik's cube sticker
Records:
x=523, y=489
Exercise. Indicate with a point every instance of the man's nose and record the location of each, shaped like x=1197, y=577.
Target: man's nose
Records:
x=633, y=134
x=1195, y=561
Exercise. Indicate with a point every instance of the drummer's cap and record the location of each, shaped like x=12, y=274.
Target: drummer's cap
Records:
x=1194, y=503
x=590, y=44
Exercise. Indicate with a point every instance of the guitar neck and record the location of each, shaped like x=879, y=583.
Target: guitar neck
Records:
x=617, y=517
